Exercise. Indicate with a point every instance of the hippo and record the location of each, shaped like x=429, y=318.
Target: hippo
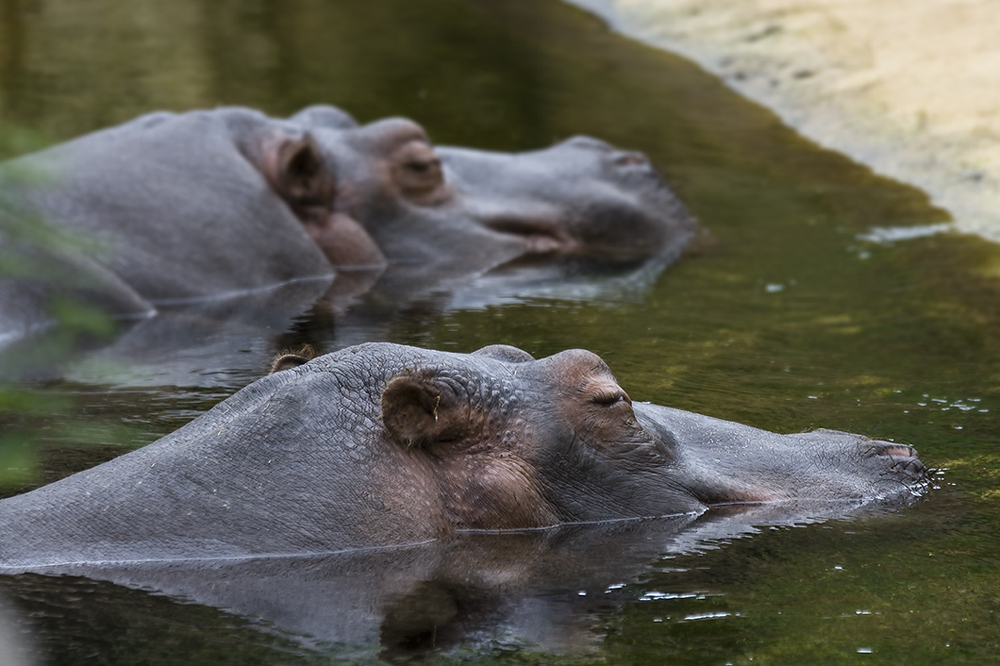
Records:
x=383, y=445
x=179, y=207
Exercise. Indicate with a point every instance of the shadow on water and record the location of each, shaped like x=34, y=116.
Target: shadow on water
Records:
x=786, y=317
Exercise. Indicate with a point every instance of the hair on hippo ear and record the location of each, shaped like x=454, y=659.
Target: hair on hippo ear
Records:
x=289, y=361
x=420, y=411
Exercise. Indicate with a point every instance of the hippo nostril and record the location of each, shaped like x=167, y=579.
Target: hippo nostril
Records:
x=913, y=468
x=631, y=159
x=903, y=460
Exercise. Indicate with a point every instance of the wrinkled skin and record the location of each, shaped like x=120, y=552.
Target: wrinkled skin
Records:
x=382, y=445
x=180, y=207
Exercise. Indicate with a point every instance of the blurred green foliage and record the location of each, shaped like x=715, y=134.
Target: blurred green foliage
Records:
x=27, y=411
x=23, y=412
x=16, y=140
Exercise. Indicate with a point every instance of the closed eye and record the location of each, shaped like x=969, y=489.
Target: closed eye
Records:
x=418, y=173
x=609, y=398
x=423, y=167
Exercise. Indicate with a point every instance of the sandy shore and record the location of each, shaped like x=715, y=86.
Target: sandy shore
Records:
x=910, y=88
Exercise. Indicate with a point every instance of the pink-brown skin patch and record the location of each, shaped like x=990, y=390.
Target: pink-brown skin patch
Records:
x=484, y=483
x=344, y=242
x=296, y=170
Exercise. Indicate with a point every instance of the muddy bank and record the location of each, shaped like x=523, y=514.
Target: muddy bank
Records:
x=912, y=90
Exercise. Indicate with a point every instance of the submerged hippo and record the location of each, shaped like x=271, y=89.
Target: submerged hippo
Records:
x=179, y=207
x=382, y=444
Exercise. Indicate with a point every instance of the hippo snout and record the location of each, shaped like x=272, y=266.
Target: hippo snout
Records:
x=624, y=160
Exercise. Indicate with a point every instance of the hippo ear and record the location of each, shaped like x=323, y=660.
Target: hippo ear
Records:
x=300, y=174
x=292, y=359
x=287, y=362
x=422, y=411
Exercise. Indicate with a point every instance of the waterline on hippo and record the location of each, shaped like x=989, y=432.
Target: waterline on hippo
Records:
x=387, y=445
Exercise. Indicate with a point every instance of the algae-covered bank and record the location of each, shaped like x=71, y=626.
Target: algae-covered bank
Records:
x=911, y=89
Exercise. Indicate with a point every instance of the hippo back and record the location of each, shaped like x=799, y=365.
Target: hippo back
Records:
x=281, y=467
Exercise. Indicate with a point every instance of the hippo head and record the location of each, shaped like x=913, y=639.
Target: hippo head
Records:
x=519, y=443
x=507, y=441
x=469, y=209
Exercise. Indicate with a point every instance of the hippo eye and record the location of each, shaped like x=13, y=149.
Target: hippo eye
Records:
x=420, y=175
x=417, y=170
x=610, y=398
x=421, y=167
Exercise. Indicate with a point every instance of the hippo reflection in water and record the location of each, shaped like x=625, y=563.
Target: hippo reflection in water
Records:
x=384, y=445
x=180, y=207
x=553, y=589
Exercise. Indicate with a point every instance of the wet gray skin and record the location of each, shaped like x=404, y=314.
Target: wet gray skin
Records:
x=181, y=207
x=382, y=444
x=460, y=210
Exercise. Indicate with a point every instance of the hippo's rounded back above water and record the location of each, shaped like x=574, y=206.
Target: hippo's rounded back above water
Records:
x=383, y=444
x=178, y=207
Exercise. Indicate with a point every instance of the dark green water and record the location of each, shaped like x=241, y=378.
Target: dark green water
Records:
x=781, y=318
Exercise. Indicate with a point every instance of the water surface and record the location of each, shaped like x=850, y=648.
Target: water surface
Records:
x=784, y=316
